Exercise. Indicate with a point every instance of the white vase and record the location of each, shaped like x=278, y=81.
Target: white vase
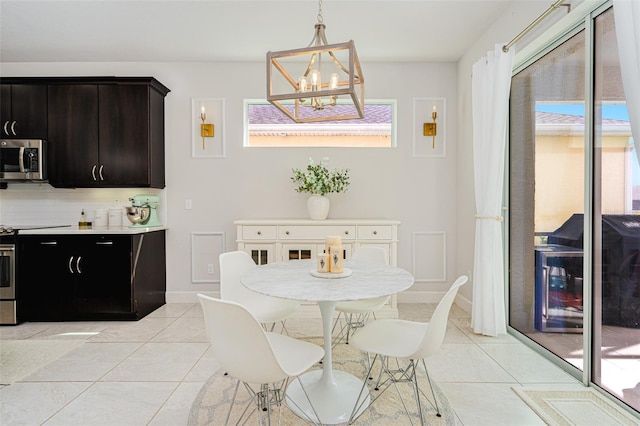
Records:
x=318, y=206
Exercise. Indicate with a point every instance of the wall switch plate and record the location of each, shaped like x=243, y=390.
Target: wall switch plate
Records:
x=210, y=269
x=188, y=204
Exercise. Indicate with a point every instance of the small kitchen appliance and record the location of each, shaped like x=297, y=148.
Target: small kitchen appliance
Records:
x=23, y=160
x=143, y=211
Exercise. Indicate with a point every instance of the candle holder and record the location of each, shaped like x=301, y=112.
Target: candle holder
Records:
x=208, y=121
x=430, y=129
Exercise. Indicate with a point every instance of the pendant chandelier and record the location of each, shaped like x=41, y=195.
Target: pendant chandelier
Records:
x=321, y=82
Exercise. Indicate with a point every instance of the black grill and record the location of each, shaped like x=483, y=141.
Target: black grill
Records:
x=620, y=264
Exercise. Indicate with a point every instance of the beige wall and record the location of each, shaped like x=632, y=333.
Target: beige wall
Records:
x=559, y=169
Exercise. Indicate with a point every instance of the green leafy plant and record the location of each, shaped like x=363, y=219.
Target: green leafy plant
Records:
x=318, y=180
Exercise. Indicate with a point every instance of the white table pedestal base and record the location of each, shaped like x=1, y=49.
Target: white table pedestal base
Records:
x=333, y=402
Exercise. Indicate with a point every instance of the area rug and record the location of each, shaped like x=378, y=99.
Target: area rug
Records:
x=211, y=405
x=575, y=407
x=20, y=358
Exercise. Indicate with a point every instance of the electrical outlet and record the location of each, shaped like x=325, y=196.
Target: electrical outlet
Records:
x=188, y=204
x=210, y=269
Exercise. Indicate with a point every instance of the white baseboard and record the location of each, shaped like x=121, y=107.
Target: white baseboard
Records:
x=463, y=303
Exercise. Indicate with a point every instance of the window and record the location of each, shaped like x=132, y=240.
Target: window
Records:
x=266, y=126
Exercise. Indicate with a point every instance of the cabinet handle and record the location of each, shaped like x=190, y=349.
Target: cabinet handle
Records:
x=69, y=264
x=104, y=243
x=259, y=232
x=287, y=232
x=93, y=172
x=78, y=264
x=48, y=243
x=375, y=232
x=4, y=126
x=100, y=171
x=346, y=232
x=13, y=127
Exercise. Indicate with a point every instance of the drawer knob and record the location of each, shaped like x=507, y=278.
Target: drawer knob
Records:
x=346, y=232
x=375, y=232
x=259, y=232
x=287, y=232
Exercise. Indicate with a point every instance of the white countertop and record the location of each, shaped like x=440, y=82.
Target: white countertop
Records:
x=74, y=230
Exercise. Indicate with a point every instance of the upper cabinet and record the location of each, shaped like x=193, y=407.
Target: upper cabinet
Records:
x=23, y=111
x=101, y=131
x=106, y=133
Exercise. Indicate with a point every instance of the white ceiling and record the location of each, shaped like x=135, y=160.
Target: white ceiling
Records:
x=238, y=30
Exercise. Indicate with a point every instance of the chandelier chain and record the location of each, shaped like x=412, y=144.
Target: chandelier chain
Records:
x=320, y=19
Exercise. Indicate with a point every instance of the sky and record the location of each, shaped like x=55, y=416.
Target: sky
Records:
x=609, y=111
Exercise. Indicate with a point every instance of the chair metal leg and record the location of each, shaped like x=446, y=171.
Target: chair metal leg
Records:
x=399, y=374
x=262, y=401
x=416, y=391
x=273, y=326
x=351, y=325
x=435, y=400
x=235, y=393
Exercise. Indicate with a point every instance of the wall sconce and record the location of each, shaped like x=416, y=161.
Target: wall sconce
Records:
x=430, y=129
x=206, y=130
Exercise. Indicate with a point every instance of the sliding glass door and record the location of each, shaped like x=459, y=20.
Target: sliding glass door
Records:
x=547, y=183
x=616, y=226
x=574, y=199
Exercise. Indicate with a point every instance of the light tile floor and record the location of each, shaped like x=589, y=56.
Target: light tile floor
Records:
x=148, y=372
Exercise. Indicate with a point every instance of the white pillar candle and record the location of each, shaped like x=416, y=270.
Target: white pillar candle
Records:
x=323, y=262
x=337, y=262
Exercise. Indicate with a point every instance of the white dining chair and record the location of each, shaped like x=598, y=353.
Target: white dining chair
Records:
x=266, y=309
x=253, y=356
x=408, y=342
x=353, y=314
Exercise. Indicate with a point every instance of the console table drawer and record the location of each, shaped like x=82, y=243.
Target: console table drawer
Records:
x=316, y=232
x=259, y=232
x=383, y=232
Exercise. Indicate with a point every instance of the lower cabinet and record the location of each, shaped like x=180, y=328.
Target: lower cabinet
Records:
x=84, y=277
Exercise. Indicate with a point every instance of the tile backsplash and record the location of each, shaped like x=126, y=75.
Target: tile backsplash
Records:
x=41, y=204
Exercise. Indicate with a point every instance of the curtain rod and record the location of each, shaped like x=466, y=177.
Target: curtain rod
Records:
x=551, y=8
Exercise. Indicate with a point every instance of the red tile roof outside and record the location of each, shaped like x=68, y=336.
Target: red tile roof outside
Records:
x=266, y=119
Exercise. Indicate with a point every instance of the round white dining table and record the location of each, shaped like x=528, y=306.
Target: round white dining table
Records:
x=332, y=393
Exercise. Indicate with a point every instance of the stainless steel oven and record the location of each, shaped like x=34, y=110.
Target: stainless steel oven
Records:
x=8, y=284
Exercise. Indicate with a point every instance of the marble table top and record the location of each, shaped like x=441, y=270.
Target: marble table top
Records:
x=293, y=280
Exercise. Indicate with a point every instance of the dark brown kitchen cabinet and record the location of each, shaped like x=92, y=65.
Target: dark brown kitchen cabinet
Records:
x=73, y=135
x=106, y=133
x=23, y=111
x=90, y=277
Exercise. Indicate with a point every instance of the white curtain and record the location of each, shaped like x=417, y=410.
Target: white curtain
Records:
x=491, y=82
x=627, y=16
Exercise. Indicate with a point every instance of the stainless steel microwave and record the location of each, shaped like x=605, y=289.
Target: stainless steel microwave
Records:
x=23, y=160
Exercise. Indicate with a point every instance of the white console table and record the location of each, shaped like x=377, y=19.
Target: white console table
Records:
x=278, y=240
